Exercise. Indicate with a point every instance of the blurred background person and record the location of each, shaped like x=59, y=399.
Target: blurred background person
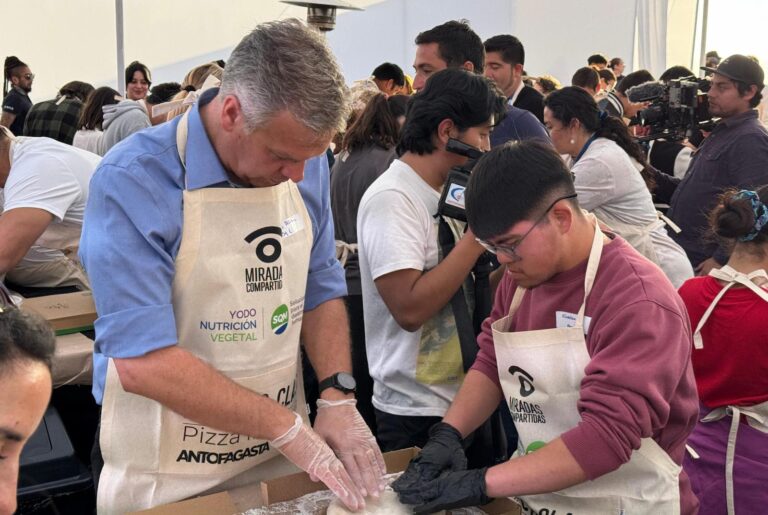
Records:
x=17, y=85
x=617, y=103
x=611, y=177
x=137, y=81
x=617, y=67
x=191, y=87
x=92, y=117
x=729, y=310
x=597, y=61
x=368, y=149
x=546, y=84
x=58, y=118
x=587, y=79
x=504, y=62
x=607, y=81
x=389, y=78
x=160, y=94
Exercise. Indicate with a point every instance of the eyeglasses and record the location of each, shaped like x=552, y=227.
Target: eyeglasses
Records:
x=29, y=76
x=511, y=250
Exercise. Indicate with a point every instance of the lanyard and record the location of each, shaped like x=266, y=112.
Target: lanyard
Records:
x=585, y=147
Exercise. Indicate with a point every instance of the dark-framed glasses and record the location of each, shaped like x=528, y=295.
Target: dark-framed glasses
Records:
x=511, y=250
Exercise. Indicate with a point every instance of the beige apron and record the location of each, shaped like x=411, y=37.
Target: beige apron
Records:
x=63, y=268
x=238, y=299
x=757, y=415
x=541, y=372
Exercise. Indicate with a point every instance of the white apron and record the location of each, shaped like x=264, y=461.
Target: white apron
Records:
x=757, y=415
x=541, y=372
x=238, y=299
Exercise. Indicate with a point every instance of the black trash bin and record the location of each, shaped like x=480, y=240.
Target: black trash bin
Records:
x=51, y=478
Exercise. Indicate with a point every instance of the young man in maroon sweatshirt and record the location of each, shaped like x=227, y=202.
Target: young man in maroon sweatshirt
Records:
x=588, y=344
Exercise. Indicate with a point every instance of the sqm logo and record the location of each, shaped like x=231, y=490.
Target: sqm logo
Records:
x=279, y=319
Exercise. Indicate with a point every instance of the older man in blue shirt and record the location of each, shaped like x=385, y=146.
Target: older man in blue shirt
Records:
x=207, y=265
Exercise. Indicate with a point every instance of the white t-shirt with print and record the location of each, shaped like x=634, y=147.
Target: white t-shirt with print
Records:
x=52, y=176
x=414, y=373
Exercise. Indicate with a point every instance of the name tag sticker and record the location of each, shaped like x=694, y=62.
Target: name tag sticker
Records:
x=292, y=225
x=565, y=319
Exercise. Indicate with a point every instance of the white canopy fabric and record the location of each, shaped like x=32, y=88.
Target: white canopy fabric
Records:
x=76, y=40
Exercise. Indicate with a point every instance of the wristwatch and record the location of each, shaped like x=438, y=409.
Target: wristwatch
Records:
x=341, y=381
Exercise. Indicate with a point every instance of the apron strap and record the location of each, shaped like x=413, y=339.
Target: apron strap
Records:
x=732, y=277
x=343, y=251
x=182, y=129
x=595, y=254
x=759, y=415
x=669, y=223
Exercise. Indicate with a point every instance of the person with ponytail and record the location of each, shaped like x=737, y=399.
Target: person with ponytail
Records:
x=728, y=458
x=368, y=148
x=612, y=178
x=17, y=85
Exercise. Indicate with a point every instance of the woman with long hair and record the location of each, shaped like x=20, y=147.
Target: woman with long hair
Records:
x=612, y=178
x=368, y=148
x=728, y=462
x=92, y=116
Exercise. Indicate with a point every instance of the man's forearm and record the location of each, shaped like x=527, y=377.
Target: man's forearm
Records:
x=548, y=469
x=325, y=334
x=180, y=381
x=478, y=397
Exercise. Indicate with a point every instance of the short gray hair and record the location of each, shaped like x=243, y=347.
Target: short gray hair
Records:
x=284, y=65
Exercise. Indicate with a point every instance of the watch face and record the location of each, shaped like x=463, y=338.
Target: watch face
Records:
x=346, y=380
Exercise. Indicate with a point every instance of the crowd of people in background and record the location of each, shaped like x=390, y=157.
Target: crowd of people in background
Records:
x=687, y=280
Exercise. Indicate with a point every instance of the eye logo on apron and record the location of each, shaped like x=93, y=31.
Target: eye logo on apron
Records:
x=272, y=243
x=526, y=381
x=268, y=277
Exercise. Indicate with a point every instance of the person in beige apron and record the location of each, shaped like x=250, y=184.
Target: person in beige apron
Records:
x=612, y=177
x=728, y=449
x=219, y=406
x=542, y=372
x=50, y=260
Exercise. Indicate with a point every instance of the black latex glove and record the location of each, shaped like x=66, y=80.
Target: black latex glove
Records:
x=442, y=453
x=450, y=490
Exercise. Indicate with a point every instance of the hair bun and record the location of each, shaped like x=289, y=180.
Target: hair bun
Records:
x=734, y=218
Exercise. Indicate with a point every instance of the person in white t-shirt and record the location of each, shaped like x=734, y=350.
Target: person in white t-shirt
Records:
x=412, y=343
x=45, y=188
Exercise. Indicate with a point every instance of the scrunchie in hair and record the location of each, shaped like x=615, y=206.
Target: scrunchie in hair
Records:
x=760, y=210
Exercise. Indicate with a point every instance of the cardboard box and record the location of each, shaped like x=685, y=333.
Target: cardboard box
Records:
x=290, y=487
x=67, y=313
x=73, y=360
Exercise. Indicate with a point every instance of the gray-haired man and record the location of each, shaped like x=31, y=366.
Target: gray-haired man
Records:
x=209, y=264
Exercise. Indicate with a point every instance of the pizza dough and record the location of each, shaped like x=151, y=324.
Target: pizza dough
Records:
x=387, y=504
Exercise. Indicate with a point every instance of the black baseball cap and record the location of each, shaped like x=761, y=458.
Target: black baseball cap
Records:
x=739, y=68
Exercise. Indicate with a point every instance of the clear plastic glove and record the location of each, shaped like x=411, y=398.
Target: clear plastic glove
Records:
x=346, y=432
x=310, y=453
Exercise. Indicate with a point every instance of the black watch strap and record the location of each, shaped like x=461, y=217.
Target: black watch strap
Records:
x=342, y=381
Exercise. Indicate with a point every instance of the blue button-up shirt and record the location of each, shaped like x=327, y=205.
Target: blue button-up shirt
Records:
x=133, y=227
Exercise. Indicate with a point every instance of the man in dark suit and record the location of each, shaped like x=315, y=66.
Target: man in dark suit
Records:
x=504, y=60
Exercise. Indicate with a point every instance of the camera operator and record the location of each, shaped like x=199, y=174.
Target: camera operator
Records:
x=413, y=345
x=734, y=155
x=616, y=103
x=673, y=157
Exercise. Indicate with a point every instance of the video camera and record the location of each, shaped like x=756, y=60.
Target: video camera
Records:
x=452, y=199
x=677, y=108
